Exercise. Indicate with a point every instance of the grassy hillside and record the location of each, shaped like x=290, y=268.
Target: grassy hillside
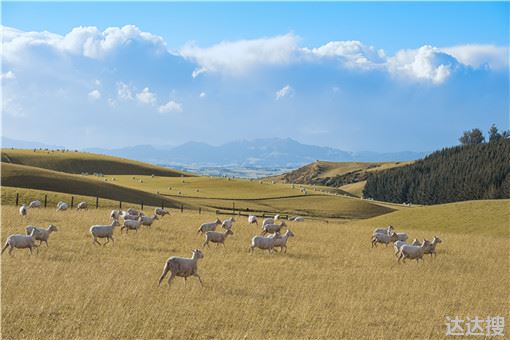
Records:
x=36, y=178
x=335, y=173
x=329, y=285
x=355, y=189
x=487, y=217
x=80, y=162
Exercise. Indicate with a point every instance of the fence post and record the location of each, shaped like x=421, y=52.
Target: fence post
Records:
x=142, y=205
x=120, y=205
x=233, y=207
x=45, y=200
x=72, y=201
x=199, y=210
x=162, y=204
x=17, y=198
x=182, y=208
x=97, y=202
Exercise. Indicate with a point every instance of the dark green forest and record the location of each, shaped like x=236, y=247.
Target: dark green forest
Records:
x=471, y=171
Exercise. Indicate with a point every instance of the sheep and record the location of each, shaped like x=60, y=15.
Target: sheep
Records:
x=402, y=236
x=41, y=234
x=35, y=204
x=397, y=245
x=262, y=242
x=23, y=210
x=20, y=241
x=413, y=252
x=115, y=214
x=268, y=220
x=82, y=206
x=431, y=248
x=161, y=212
x=61, y=206
x=132, y=211
x=183, y=267
x=228, y=223
x=217, y=237
x=299, y=219
x=387, y=230
x=272, y=228
x=276, y=217
x=416, y=242
x=147, y=220
x=132, y=224
x=383, y=238
x=103, y=231
x=127, y=217
x=205, y=227
x=281, y=240
x=252, y=219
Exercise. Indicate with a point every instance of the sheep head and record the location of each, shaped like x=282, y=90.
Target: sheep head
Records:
x=52, y=227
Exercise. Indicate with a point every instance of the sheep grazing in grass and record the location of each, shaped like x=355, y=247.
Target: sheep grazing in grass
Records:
x=262, y=242
x=23, y=211
x=228, y=223
x=21, y=242
x=61, y=206
x=217, y=237
x=276, y=217
x=268, y=220
x=298, y=219
x=148, y=220
x=413, y=252
x=387, y=230
x=115, y=214
x=383, y=238
x=272, y=228
x=402, y=236
x=103, y=231
x=205, y=227
x=431, y=249
x=252, y=219
x=182, y=267
x=132, y=224
x=281, y=240
x=161, y=212
x=41, y=234
x=397, y=245
x=35, y=204
x=82, y=206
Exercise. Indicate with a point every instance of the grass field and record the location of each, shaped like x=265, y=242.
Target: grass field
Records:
x=330, y=284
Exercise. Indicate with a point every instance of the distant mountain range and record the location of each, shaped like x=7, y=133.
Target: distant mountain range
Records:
x=258, y=153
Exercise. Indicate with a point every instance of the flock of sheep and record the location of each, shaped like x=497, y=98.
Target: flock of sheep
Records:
x=403, y=251
x=132, y=219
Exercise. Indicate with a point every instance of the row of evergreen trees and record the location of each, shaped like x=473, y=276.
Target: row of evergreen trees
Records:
x=473, y=170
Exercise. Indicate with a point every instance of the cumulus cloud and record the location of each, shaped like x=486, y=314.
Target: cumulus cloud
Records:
x=94, y=95
x=202, y=94
x=286, y=91
x=124, y=92
x=146, y=97
x=8, y=75
x=171, y=106
x=495, y=57
x=238, y=57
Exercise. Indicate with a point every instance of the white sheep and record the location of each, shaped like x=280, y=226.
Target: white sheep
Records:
x=276, y=217
x=61, y=206
x=272, y=228
x=397, y=245
x=387, y=230
x=252, y=219
x=183, y=267
x=127, y=217
x=402, y=236
x=268, y=220
x=41, y=234
x=82, y=206
x=205, y=227
x=262, y=242
x=132, y=224
x=148, y=220
x=217, y=237
x=23, y=210
x=431, y=248
x=115, y=214
x=299, y=219
x=35, y=204
x=103, y=231
x=228, y=223
x=21, y=242
x=281, y=240
x=161, y=212
x=132, y=211
x=413, y=252
x=383, y=238
x=416, y=242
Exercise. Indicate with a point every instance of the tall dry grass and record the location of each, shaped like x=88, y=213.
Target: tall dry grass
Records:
x=329, y=285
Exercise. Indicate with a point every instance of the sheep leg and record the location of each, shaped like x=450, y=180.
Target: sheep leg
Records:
x=94, y=241
x=170, y=279
x=285, y=249
x=165, y=270
x=46, y=243
x=10, y=250
x=113, y=241
x=5, y=247
x=206, y=243
x=199, y=279
x=107, y=240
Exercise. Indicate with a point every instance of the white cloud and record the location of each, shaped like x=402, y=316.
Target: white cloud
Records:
x=495, y=57
x=286, y=91
x=238, y=57
x=94, y=95
x=171, y=106
x=146, y=96
x=124, y=92
x=8, y=75
x=202, y=94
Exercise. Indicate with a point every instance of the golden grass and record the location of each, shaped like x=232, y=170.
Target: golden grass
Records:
x=330, y=284
x=355, y=189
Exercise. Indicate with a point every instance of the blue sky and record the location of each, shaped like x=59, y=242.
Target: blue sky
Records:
x=358, y=76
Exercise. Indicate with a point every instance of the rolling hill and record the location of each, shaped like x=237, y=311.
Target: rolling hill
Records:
x=82, y=162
